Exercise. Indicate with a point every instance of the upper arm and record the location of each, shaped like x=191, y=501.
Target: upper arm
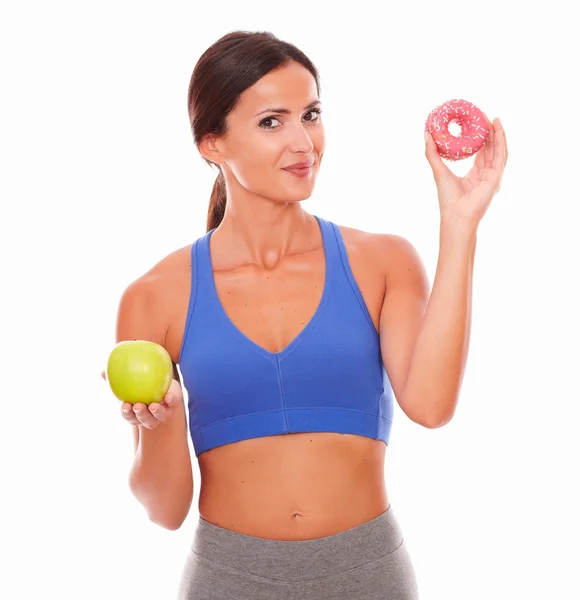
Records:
x=402, y=312
x=138, y=317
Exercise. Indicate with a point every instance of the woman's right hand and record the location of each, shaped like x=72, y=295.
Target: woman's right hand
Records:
x=152, y=415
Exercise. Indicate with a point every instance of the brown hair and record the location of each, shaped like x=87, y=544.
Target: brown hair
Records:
x=231, y=65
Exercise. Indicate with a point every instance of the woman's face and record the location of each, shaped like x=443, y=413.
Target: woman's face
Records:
x=262, y=141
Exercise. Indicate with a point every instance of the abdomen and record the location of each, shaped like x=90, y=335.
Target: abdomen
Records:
x=293, y=486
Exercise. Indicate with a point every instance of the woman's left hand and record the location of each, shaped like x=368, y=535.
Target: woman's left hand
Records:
x=467, y=198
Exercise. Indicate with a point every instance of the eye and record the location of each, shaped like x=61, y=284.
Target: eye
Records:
x=318, y=111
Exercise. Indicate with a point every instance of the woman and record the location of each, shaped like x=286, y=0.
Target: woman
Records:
x=293, y=336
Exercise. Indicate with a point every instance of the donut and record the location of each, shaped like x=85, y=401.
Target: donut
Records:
x=474, y=129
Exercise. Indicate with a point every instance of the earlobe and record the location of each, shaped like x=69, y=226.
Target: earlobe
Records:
x=208, y=149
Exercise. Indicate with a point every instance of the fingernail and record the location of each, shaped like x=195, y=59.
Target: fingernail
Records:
x=426, y=137
x=153, y=409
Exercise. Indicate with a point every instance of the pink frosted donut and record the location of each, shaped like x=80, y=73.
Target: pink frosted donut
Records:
x=474, y=129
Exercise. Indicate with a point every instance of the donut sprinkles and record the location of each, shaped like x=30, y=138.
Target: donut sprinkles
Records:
x=474, y=129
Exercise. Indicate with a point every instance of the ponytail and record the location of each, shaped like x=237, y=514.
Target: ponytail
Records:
x=217, y=202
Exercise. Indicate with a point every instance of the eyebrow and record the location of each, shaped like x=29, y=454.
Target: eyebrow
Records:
x=285, y=111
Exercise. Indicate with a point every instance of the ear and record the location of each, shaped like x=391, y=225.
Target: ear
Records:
x=209, y=148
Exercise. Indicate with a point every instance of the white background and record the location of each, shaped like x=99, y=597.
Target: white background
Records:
x=101, y=179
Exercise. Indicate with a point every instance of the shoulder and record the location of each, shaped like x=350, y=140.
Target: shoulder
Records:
x=171, y=265
x=150, y=295
x=166, y=273
x=153, y=283
x=393, y=253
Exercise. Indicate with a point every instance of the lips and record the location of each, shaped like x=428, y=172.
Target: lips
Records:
x=299, y=167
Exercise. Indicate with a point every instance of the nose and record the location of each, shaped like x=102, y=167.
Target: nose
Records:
x=301, y=140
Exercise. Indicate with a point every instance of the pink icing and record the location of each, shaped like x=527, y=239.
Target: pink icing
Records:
x=474, y=129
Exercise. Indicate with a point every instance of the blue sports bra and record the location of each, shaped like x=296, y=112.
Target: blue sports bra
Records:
x=329, y=378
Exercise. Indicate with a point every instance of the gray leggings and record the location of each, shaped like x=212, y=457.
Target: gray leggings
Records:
x=367, y=562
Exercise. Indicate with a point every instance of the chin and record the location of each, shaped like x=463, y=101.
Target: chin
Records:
x=287, y=199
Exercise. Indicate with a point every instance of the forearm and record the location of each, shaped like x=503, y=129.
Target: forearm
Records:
x=135, y=431
x=161, y=477
x=440, y=354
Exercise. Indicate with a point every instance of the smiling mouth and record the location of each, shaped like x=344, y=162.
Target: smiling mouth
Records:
x=305, y=168
x=297, y=172
x=299, y=167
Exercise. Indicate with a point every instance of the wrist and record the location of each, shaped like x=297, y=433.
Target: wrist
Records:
x=458, y=227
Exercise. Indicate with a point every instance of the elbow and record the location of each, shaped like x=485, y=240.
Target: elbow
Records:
x=431, y=421
x=434, y=415
x=171, y=513
x=437, y=421
x=427, y=414
x=171, y=525
x=167, y=511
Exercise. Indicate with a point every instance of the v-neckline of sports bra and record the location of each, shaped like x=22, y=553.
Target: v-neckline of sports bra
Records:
x=311, y=323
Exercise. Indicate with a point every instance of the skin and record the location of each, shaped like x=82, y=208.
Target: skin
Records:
x=268, y=260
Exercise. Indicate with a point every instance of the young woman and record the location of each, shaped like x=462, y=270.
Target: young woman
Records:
x=294, y=336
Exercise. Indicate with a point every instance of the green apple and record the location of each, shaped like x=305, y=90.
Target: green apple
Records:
x=139, y=371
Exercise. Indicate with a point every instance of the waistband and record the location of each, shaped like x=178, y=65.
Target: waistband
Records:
x=299, y=560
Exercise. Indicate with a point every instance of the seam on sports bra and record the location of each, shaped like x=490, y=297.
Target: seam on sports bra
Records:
x=282, y=395
x=258, y=412
x=351, y=279
x=192, y=299
x=200, y=433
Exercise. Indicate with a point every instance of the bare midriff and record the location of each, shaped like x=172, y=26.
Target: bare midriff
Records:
x=295, y=486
